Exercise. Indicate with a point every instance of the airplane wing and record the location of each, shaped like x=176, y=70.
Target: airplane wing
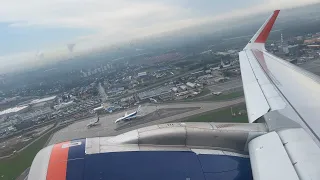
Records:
x=273, y=84
x=286, y=98
x=126, y=114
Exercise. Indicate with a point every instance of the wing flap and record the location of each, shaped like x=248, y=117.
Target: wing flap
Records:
x=260, y=93
x=256, y=102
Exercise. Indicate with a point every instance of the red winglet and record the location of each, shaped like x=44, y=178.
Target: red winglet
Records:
x=263, y=36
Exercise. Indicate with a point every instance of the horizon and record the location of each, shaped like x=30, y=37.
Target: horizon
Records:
x=27, y=43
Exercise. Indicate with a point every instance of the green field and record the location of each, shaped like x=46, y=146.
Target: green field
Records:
x=222, y=97
x=227, y=96
x=221, y=115
x=11, y=168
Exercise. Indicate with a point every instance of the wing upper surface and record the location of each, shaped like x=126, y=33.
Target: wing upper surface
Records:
x=272, y=84
x=299, y=88
x=252, y=90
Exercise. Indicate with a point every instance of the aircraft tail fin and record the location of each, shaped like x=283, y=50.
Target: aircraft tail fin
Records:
x=259, y=39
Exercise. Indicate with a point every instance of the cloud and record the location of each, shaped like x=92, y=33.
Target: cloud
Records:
x=121, y=20
x=113, y=16
x=97, y=14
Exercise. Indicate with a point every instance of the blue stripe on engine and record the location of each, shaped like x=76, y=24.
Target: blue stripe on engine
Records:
x=77, y=151
x=143, y=165
x=225, y=167
x=76, y=162
x=156, y=165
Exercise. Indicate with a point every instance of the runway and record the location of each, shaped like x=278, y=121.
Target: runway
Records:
x=312, y=66
x=226, y=86
x=109, y=128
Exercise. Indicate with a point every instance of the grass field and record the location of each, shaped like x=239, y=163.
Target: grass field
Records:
x=228, y=96
x=12, y=167
x=221, y=115
x=222, y=97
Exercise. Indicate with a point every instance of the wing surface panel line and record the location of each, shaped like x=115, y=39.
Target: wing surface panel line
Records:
x=258, y=82
x=272, y=97
x=252, y=91
x=289, y=103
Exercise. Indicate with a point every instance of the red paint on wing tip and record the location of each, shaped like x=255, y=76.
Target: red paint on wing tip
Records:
x=263, y=36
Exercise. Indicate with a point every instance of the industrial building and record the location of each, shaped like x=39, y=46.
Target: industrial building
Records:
x=43, y=100
x=191, y=85
x=142, y=74
x=183, y=87
x=166, y=90
x=63, y=105
x=175, y=89
x=14, y=110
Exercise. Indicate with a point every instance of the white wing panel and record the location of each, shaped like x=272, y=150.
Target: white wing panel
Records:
x=256, y=102
x=276, y=103
x=303, y=152
x=273, y=97
x=269, y=91
x=254, y=64
x=269, y=159
x=260, y=93
x=246, y=70
x=261, y=77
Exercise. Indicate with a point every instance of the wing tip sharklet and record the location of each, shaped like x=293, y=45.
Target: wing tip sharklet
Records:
x=261, y=36
x=251, y=85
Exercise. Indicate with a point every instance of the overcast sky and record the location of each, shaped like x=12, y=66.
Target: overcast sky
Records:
x=32, y=27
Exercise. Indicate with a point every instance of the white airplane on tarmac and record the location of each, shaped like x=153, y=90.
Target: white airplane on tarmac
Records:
x=130, y=116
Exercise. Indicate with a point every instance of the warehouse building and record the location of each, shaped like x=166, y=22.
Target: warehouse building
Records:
x=166, y=90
